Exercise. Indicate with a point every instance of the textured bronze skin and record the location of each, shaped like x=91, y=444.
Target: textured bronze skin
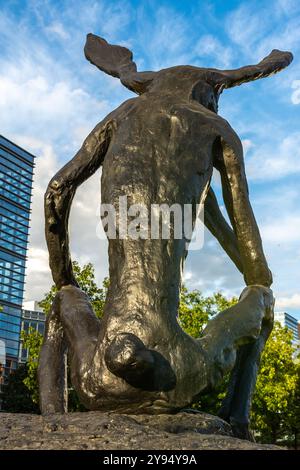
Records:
x=160, y=147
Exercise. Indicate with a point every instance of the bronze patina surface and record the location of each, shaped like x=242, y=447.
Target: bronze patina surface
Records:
x=158, y=148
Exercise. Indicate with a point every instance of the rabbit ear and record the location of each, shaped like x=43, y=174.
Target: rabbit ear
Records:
x=116, y=61
x=110, y=59
x=273, y=63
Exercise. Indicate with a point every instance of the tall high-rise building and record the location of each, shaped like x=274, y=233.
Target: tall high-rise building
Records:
x=285, y=319
x=16, y=174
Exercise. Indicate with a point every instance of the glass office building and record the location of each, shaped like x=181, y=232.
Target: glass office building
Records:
x=287, y=320
x=16, y=174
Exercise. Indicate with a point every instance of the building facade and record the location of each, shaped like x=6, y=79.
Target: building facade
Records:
x=287, y=320
x=32, y=319
x=16, y=175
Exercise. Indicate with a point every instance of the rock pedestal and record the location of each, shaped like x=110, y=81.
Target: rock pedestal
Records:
x=111, y=431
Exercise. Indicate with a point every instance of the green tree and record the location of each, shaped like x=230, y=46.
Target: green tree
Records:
x=16, y=398
x=273, y=412
x=294, y=413
x=194, y=312
x=195, y=309
x=85, y=277
x=32, y=341
x=276, y=401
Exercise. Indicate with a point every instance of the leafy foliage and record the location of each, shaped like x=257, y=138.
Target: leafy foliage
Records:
x=276, y=401
x=294, y=414
x=195, y=309
x=194, y=312
x=16, y=397
x=85, y=277
x=32, y=341
x=275, y=412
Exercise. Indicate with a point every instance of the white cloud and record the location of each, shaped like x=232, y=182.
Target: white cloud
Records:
x=67, y=19
x=38, y=262
x=295, y=97
x=38, y=276
x=276, y=162
x=57, y=29
x=51, y=106
x=257, y=31
x=116, y=18
x=287, y=6
x=247, y=145
x=285, y=303
x=209, y=46
x=283, y=229
x=187, y=276
x=45, y=110
x=245, y=26
x=286, y=37
x=166, y=40
x=212, y=270
x=84, y=217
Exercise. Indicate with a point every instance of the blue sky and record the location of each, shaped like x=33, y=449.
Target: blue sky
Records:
x=51, y=97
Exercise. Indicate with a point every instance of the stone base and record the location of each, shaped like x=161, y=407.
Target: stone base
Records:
x=111, y=431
